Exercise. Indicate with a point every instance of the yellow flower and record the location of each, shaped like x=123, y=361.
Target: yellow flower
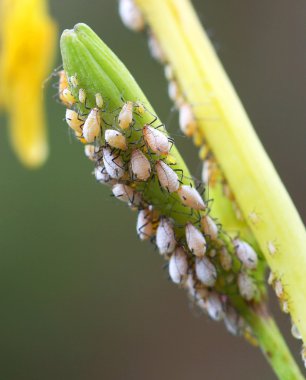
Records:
x=27, y=42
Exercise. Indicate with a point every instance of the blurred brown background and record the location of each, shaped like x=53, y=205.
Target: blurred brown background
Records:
x=81, y=297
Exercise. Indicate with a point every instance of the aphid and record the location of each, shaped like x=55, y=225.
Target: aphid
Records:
x=82, y=95
x=102, y=176
x=187, y=120
x=178, y=265
x=167, y=177
x=203, y=152
x=139, y=108
x=140, y=166
x=279, y=289
x=74, y=121
x=144, y=226
x=175, y=93
x=74, y=81
x=113, y=164
x=99, y=100
x=90, y=152
x=209, y=172
x=205, y=271
x=271, y=278
x=246, y=286
x=92, y=126
x=156, y=140
x=127, y=194
x=214, y=306
x=284, y=306
x=271, y=248
x=115, y=139
x=295, y=332
x=165, y=238
x=64, y=93
x=125, y=117
x=190, y=284
x=67, y=97
x=303, y=354
x=131, y=16
x=209, y=227
x=195, y=240
x=225, y=258
x=254, y=217
x=191, y=198
x=155, y=48
x=233, y=322
x=246, y=254
x=168, y=70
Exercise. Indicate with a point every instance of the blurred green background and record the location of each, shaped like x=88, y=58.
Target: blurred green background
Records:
x=81, y=297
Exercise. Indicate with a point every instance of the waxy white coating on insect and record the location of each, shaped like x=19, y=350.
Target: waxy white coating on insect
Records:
x=246, y=254
x=115, y=139
x=90, y=152
x=187, y=121
x=92, y=126
x=155, y=48
x=82, y=95
x=174, y=93
x=99, y=100
x=209, y=227
x=225, y=258
x=271, y=278
x=214, y=306
x=246, y=286
x=295, y=332
x=126, y=194
x=284, y=306
x=169, y=73
x=102, y=176
x=206, y=271
x=140, y=166
x=279, y=289
x=144, y=225
x=74, y=121
x=165, y=238
x=74, y=81
x=113, y=164
x=195, y=240
x=131, y=16
x=156, y=140
x=125, y=117
x=190, y=197
x=178, y=265
x=167, y=177
x=232, y=321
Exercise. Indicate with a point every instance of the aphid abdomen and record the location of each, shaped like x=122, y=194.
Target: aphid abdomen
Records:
x=246, y=286
x=246, y=254
x=206, y=271
x=178, y=265
x=113, y=164
x=165, y=238
x=195, y=240
x=209, y=227
x=92, y=126
x=191, y=198
x=115, y=139
x=167, y=177
x=144, y=226
x=156, y=140
x=74, y=121
x=225, y=259
x=214, y=306
x=125, y=117
x=140, y=166
x=187, y=120
x=131, y=15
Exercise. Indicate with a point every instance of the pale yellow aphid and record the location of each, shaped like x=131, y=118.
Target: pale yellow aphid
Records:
x=187, y=121
x=131, y=16
x=139, y=108
x=67, y=97
x=99, y=100
x=271, y=248
x=156, y=140
x=145, y=226
x=190, y=197
x=254, y=218
x=140, y=166
x=74, y=121
x=203, y=152
x=115, y=139
x=82, y=95
x=125, y=117
x=209, y=227
x=225, y=259
x=64, y=93
x=90, y=152
x=167, y=177
x=178, y=265
x=195, y=240
x=74, y=81
x=92, y=126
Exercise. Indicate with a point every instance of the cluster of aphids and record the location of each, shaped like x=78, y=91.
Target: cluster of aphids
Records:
x=208, y=266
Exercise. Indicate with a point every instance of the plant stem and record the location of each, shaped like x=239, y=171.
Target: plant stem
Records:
x=229, y=132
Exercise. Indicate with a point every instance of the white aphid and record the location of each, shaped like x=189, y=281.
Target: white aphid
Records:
x=130, y=15
x=74, y=121
x=126, y=194
x=233, y=322
x=99, y=100
x=187, y=120
x=144, y=225
x=92, y=126
x=225, y=258
x=168, y=70
x=90, y=152
x=178, y=265
x=205, y=271
x=271, y=248
x=246, y=286
x=102, y=176
x=165, y=238
x=113, y=164
x=175, y=93
x=115, y=139
x=246, y=254
x=279, y=289
x=190, y=197
x=125, y=117
x=74, y=81
x=190, y=285
x=155, y=48
x=156, y=140
x=195, y=240
x=214, y=306
x=295, y=332
x=167, y=177
x=209, y=227
x=140, y=166
x=82, y=95
x=271, y=278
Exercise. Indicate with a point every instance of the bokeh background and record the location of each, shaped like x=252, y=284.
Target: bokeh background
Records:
x=81, y=297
